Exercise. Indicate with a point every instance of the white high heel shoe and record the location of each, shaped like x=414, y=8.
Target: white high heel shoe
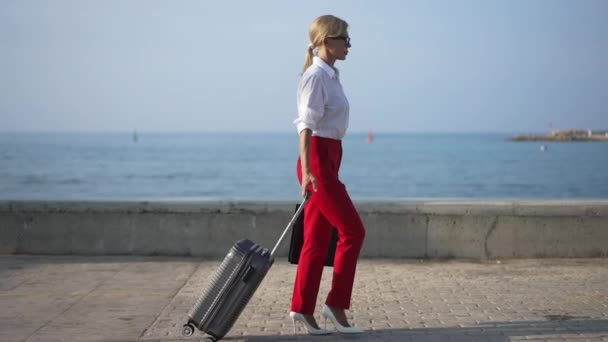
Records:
x=326, y=312
x=295, y=316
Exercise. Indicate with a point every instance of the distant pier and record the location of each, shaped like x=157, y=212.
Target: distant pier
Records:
x=566, y=135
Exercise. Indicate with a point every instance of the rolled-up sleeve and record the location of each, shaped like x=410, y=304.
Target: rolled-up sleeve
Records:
x=312, y=97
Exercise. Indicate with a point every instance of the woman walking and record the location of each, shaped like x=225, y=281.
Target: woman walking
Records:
x=323, y=113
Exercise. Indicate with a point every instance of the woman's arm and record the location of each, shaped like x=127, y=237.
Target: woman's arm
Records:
x=307, y=177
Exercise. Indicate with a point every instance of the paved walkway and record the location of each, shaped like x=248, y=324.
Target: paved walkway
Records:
x=147, y=299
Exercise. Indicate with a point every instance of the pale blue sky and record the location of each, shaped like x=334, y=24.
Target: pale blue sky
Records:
x=415, y=66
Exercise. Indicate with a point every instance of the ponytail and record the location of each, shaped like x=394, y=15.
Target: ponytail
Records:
x=308, y=57
x=322, y=27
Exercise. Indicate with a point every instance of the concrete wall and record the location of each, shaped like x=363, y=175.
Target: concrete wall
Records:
x=407, y=229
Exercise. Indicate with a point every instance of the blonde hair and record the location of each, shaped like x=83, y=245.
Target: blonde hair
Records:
x=321, y=28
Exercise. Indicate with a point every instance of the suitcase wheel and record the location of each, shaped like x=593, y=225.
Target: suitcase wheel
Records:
x=209, y=339
x=188, y=330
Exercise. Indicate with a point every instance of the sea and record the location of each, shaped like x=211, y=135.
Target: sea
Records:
x=262, y=166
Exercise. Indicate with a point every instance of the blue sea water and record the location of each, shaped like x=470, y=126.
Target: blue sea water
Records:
x=256, y=166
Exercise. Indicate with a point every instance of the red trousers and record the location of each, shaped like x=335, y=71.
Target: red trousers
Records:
x=329, y=206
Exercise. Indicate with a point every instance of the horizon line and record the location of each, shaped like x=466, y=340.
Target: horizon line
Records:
x=135, y=131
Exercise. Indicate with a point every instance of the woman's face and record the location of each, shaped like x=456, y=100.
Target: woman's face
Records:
x=338, y=46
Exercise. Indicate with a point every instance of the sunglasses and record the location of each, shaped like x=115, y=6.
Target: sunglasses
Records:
x=344, y=38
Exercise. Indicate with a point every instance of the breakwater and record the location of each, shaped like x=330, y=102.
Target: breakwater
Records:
x=398, y=229
x=567, y=135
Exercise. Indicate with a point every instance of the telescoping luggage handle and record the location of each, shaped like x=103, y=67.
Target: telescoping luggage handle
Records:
x=291, y=223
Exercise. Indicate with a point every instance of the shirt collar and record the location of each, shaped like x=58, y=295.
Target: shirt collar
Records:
x=333, y=73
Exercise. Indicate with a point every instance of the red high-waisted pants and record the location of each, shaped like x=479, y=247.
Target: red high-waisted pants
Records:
x=329, y=206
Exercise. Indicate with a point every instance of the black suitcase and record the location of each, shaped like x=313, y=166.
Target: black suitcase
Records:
x=232, y=286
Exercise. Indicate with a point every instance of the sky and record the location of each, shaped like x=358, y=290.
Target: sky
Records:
x=228, y=66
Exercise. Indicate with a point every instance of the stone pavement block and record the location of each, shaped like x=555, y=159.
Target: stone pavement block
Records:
x=43, y=292
x=90, y=300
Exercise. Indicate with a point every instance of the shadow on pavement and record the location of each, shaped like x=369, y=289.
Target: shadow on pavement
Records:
x=489, y=331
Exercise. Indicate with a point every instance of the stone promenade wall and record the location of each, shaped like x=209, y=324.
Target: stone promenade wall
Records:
x=405, y=229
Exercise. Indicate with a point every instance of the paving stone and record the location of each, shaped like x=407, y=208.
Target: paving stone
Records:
x=71, y=298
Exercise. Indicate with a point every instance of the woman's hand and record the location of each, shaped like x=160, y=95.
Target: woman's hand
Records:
x=308, y=178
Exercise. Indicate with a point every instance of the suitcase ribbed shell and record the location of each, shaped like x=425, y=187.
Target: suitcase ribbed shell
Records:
x=232, y=286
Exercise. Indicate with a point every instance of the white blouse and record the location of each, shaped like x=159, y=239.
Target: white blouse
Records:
x=322, y=105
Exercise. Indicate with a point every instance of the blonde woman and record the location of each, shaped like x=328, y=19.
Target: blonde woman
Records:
x=323, y=112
